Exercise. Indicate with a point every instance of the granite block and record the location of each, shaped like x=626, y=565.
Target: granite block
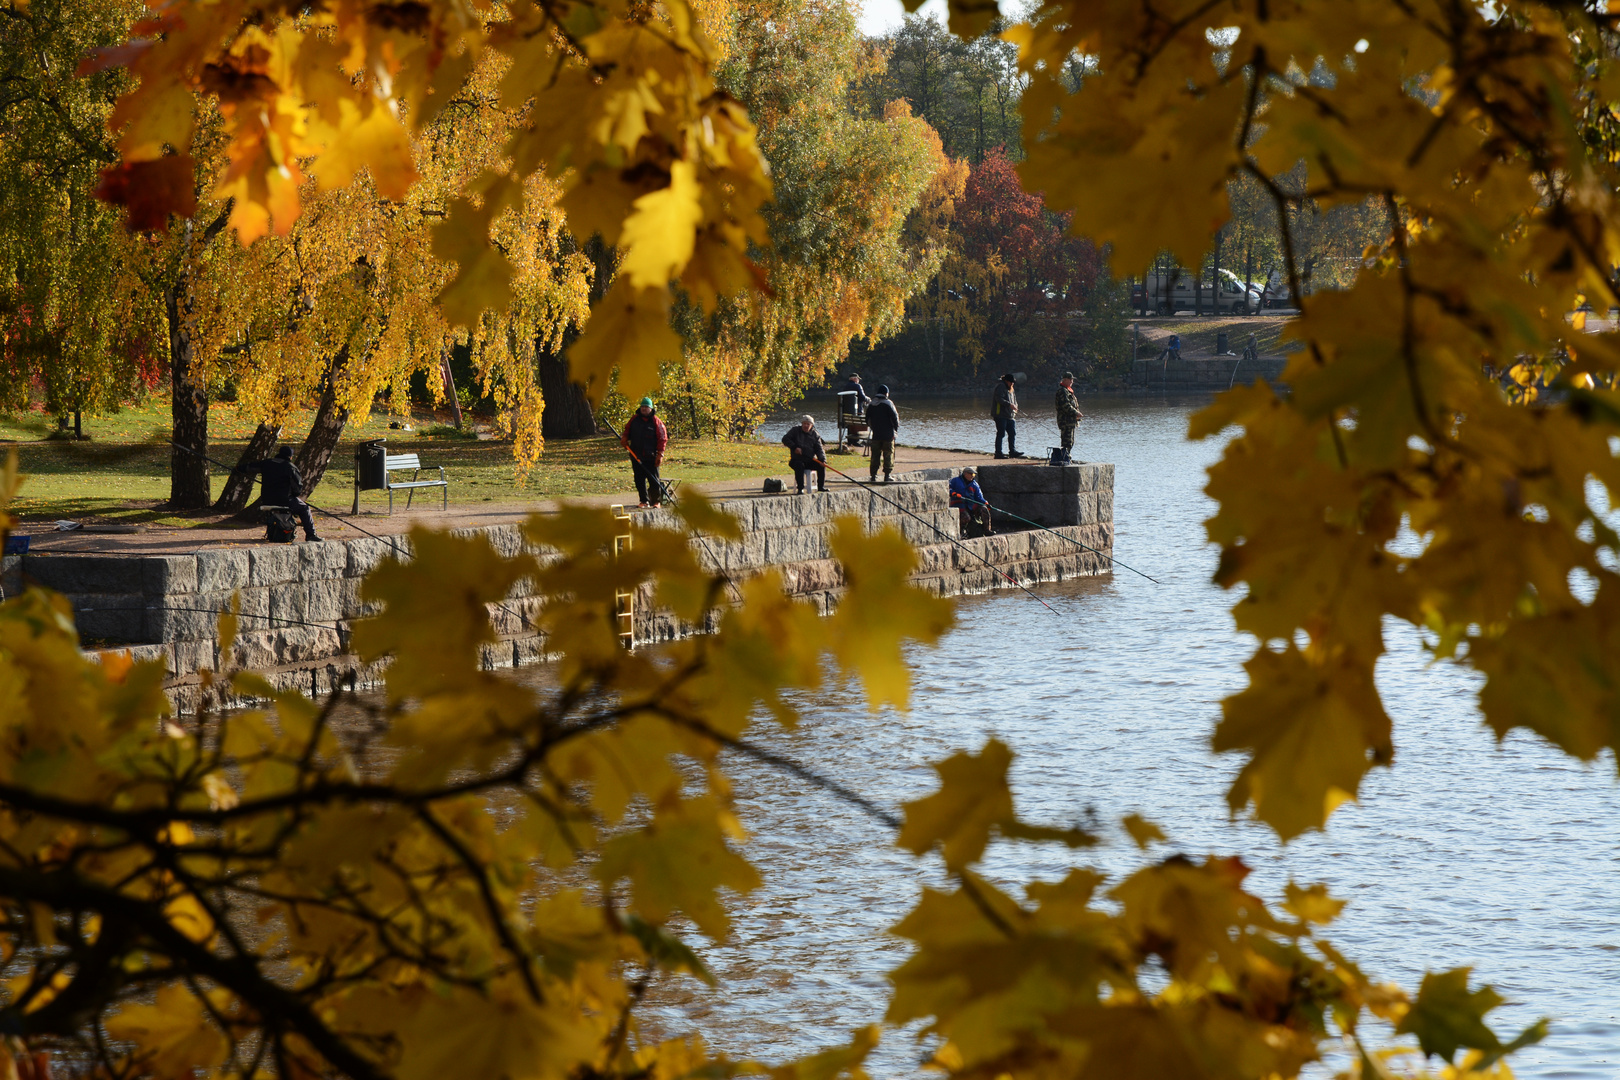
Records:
x=163, y=574
x=222, y=568
x=274, y=564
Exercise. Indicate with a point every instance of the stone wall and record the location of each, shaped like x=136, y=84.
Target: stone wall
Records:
x=298, y=600
x=1208, y=375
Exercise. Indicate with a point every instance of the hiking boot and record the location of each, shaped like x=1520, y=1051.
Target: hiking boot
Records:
x=885, y=478
x=1016, y=453
x=313, y=539
x=1001, y=457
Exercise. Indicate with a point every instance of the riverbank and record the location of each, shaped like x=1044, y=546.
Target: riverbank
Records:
x=158, y=597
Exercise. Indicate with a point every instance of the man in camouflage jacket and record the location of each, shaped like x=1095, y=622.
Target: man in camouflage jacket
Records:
x=1068, y=411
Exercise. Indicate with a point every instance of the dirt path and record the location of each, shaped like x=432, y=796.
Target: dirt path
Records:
x=164, y=541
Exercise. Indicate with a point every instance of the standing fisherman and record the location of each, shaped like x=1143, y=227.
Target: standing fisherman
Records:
x=645, y=437
x=1068, y=412
x=883, y=423
x=1004, y=411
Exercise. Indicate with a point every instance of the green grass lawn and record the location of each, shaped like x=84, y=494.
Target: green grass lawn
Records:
x=120, y=473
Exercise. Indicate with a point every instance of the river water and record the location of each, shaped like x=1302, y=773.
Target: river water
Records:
x=1465, y=853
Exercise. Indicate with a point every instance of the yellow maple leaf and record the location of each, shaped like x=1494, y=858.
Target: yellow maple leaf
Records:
x=1313, y=727
x=973, y=799
x=629, y=330
x=658, y=234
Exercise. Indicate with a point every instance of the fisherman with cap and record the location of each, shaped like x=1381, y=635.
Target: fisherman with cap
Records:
x=283, y=485
x=972, y=509
x=1004, y=411
x=645, y=437
x=1068, y=412
x=805, y=452
x=883, y=423
x=852, y=385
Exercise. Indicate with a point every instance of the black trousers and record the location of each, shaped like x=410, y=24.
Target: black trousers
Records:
x=647, y=488
x=1008, y=427
x=799, y=469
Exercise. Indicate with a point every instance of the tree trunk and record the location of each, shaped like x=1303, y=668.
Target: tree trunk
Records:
x=1198, y=292
x=567, y=413
x=450, y=382
x=315, y=454
x=239, y=484
x=1215, y=289
x=188, y=471
x=1248, y=277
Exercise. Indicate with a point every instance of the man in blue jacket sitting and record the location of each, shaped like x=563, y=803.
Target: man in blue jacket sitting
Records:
x=972, y=508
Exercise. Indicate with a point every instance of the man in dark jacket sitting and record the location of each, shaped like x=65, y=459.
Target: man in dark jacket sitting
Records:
x=283, y=485
x=806, y=451
x=883, y=423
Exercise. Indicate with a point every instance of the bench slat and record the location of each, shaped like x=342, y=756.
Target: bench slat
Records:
x=402, y=461
x=421, y=483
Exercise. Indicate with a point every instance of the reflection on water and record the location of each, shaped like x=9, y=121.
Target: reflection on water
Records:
x=1503, y=858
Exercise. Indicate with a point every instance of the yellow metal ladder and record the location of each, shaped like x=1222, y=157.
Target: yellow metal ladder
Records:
x=624, y=602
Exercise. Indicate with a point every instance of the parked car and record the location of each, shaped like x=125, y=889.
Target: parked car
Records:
x=1179, y=291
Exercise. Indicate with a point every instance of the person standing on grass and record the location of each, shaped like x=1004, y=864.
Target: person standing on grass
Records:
x=806, y=451
x=883, y=423
x=645, y=437
x=283, y=485
x=1004, y=411
x=1068, y=412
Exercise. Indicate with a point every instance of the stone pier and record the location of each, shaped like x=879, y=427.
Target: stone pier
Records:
x=298, y=601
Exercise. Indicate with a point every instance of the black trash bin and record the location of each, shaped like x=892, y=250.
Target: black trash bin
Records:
x=368, y=465
x=1222, y=346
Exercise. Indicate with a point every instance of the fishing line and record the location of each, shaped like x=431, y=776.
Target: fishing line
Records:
x=938, y=532
x=337, y=626
x=1054, y=532
x=695, y=533
x=338, y=517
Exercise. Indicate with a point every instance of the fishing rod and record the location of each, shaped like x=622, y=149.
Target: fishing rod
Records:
x=938, y=532
x=340, y=519
x=1054, y=532
x=335, y=517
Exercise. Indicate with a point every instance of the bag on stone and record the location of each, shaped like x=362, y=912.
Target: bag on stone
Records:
x=1060, y=456
x=773, y=486
x=280, y=526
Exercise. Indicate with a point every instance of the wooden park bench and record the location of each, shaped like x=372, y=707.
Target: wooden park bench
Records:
x=393, y=463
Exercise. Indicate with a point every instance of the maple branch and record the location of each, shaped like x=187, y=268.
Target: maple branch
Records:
x=61, y=890
x=492, y=906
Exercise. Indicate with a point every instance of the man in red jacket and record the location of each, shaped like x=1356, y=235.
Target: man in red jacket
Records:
x=644, y=436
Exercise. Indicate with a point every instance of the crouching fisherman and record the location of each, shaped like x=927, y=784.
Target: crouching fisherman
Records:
x=283, y=485
x=972, y=509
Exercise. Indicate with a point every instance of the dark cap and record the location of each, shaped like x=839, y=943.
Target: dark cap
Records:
x=854, y=374
x=883, y=388
x=1068, y=375
x=1008, y=377
x=284, y=453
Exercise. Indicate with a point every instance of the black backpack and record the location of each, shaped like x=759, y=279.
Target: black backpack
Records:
x=280, y=527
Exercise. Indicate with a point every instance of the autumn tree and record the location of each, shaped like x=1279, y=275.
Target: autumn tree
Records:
x=837, y=266
x=77, y=325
